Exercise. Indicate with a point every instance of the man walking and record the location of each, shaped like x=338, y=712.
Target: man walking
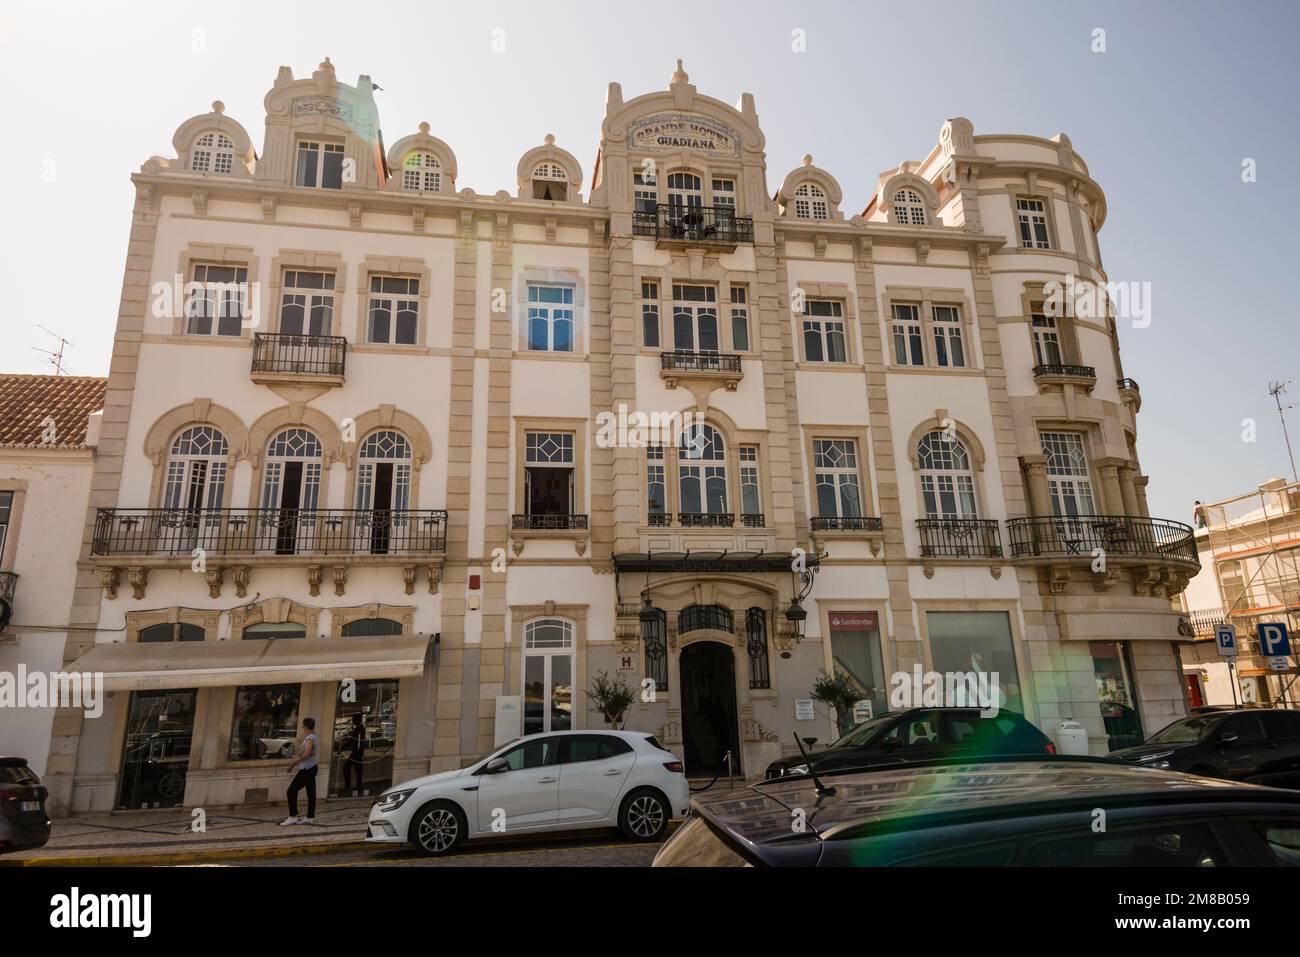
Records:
x=308, y=759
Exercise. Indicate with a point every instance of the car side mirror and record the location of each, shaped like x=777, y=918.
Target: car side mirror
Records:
x=496, y=766
x=1228, y=737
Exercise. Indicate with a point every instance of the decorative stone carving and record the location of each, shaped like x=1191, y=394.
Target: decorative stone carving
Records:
x=314, y=573
x=928, y=570
x=340, y=579
x=110, y=578
x=1105, y=580
x=215, y=576
x=995, y=571
x=671, y=732
x=1060, y=579
x=139, y=579
x=752, y=730
x=434, y=575
x=241, y=580
x=408, y=578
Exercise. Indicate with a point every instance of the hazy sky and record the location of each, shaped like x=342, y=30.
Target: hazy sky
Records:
x=1183, y=93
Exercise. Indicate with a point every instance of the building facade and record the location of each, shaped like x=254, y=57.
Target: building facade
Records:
x=377, y=446
x=49, y=427
x=1250, y=573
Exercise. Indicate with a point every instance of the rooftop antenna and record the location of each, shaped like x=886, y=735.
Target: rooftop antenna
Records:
x=55, y=358
x=1276, y=390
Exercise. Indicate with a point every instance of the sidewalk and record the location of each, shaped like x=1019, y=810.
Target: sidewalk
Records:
x=126, y=838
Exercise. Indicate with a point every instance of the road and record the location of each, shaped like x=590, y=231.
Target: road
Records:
x=596, y=850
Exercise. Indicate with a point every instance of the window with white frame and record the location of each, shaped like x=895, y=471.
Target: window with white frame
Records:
x=945, y=323
x=1047, y=340
x=824, y=338
x=320, y=165
x=650, y=315
x=196, y=470
x=909, y=208
x=383, y=491
x=751, y=501
x=307, y=303
x=549, y=480
x=393, y=315
x=835, y=469
x=550, y=181
x=905, y=325
x=655, y=483
x=548, y=675
x=724, y=201
x=217, y=300
x=645, y=193
x=1031, y=215
x=1067, y=474
x=810, y=202
x=947, y=482
x=702, y=471
x=685, y=189
x=740, y=318
x=695, y=318
x=291, y=483
x=550, y=318
x=421, y=172
x=213, y=153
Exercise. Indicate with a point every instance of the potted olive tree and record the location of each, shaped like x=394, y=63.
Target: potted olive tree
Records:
x=611, y=697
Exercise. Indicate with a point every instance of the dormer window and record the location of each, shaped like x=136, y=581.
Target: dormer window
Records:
x=810, y=202
x=320, y=165
x=909, y=209
x=550, y=182
x=213, y=153
x=422, y=172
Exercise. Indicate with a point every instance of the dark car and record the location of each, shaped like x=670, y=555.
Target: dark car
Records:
x=23, y=821
x=919, y=734
x=1249, y=744
x=1022, y=811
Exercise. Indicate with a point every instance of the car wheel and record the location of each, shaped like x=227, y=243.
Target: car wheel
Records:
x=644, y=815
x=438, y=828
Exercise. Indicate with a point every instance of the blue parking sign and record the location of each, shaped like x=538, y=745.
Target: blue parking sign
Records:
x=1273, y=640
x=1226, y=639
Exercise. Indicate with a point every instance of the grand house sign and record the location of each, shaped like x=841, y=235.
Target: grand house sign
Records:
x=678, y=131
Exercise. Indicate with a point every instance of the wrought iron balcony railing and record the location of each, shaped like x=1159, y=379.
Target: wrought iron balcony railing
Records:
x=1116, y=536
x=299, y=355
x=1127, y=384
x=535, y=522
x=659, y=519
x=706, y=519
x=178, y=532
x=752, y=520
x=1056, y=368
x=694, y=224
x=959, y=538
x=847, y=523
x=682, y=360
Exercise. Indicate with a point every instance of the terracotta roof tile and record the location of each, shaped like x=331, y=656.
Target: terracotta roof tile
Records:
x=26, y=401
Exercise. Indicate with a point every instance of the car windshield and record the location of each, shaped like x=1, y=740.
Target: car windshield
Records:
x=860, y=734
x=1187, y=730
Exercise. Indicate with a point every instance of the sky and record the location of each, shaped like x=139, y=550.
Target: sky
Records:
x=1183, y=94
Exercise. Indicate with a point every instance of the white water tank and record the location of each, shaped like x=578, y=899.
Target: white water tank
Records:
x=1071, y=738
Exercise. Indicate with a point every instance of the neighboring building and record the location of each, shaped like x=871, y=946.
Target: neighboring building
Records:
x=48, y=432
x=410, y=438
x=1249, y=548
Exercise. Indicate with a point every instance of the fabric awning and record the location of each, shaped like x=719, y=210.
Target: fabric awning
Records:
x=143, y=666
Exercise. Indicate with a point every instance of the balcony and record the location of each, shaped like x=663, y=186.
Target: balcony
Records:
x=1129, y=392
x=1116, y=536
x=1054, y=376
x=681, y=226
x=959, y=538
x=551, y=523
x=706, y=519
x=712, y=368
x=856, y=523
x=272, y=532
x=298, y=359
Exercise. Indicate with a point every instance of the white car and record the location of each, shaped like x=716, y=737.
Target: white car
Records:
x=560, y=781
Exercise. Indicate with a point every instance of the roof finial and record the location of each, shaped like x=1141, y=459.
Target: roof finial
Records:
x=326, y=65
x=550, y=139
x=424, y=128
x=807, y=159
x=679, y=75
x=218, y=106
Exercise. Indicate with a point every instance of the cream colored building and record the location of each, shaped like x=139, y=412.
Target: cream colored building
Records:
x=410, y=436
x=1249, y=548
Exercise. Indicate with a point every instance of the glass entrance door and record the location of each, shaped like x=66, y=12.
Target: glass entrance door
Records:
x=365, y=738
x=1116, y=693
x=156, y=750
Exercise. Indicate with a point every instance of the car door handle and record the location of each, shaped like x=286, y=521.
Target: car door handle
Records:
x=612, y=771
x=547, y=780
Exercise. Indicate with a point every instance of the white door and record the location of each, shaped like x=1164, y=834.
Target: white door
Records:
x=593, y=768
x=525, y=796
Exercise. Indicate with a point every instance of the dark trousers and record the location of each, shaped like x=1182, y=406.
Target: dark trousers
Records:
x=305, y=778
x=352, y=765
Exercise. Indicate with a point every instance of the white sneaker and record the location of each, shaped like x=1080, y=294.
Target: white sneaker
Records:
x=292, y=820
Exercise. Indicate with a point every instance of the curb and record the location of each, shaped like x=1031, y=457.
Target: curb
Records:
x=188, y=857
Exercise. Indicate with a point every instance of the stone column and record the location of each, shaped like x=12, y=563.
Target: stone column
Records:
x=1127, y=489
x=1040, y=497
x=1108, y=469
x=1140, y=490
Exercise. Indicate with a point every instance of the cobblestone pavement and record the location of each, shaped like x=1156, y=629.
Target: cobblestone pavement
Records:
x=594, y=851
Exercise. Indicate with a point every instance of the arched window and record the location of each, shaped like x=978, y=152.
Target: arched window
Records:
x=383, y=490
x=947, y=482
x=909, y=208
x=702, y=476
x=371, y=626
x=268, y=630
x=810, y=202
x=171, y=631
x=422, y=172
x=213, y=153
x=548, y=675
x=291, y=487
x=685, y=189
x=704, y=617
x=550, y=181
x=760, y=675
x=196, y=470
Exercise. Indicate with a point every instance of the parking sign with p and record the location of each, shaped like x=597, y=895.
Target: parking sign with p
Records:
x=1273, y=641
x=1226, y=640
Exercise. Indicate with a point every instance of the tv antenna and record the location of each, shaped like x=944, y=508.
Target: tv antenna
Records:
x=55, y=357
x=1277, y=390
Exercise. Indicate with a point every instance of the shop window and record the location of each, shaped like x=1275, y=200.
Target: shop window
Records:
x=977, y=642
x=265, y=724
x=371, y=626
x=365, y=732
x=156, y=749
x=856, y=654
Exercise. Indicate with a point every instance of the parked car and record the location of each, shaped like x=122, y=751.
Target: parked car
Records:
x=1256, y=745
x=1010, y=810
x=919, y=734
x=559, y=781
x=23, y=821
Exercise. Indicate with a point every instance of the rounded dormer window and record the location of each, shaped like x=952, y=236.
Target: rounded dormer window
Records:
x=213, y=152
x=810, y=202
x=550, y=181
x=909, y=208
x=422, y=172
